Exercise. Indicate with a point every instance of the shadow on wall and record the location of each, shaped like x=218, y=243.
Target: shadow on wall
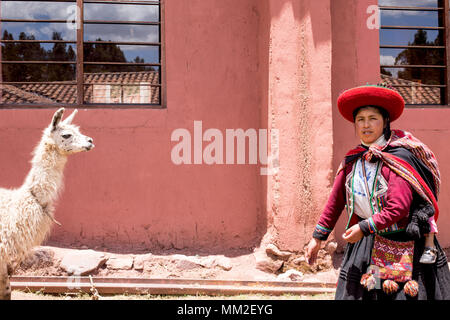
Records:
x=304, y=9
x=298, y=33
x=104, y=196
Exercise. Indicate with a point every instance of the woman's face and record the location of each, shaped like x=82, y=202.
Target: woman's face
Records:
x=369, y=124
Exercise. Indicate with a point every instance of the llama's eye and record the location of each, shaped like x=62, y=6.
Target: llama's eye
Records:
x=66, y=136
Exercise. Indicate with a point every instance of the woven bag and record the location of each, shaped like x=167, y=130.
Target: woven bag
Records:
x=391, y=261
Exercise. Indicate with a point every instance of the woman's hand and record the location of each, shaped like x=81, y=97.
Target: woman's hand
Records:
x=353, y=234
x=312, y=250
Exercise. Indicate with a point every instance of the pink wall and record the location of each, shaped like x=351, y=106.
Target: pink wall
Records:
x=431, y=126
x=230, y=64
x=300, y=108
x=127, y=193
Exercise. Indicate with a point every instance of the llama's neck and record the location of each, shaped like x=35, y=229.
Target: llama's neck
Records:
x=46, y=175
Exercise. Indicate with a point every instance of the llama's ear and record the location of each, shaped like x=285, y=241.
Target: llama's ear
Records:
x=70, y=118
x=57, y=118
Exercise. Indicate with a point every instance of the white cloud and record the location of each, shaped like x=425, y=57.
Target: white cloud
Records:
x=60, y=11
x=45, y=31
x=121, y=33
x=387, y=60
x=33, y=10
x=122, y=12
x=399, y=14
x=408, y=3
x=405, y=3
x=390, y=60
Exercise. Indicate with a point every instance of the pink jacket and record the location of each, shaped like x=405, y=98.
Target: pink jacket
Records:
x=395, y=203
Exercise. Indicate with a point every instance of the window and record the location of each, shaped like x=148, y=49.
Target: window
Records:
x=89, y=53
x=413, y=49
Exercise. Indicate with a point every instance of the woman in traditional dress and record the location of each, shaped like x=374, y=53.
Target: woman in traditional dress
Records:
x=389, y=186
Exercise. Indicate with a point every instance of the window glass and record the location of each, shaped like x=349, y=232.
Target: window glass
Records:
x=121, y=12
x=39, y=58
x=121, y=53
x=34, y=51
x=399, y=47
x=40, y=72
x=409, y=18
x=34, y=10
x=121, y=84
x=409, y=3
x=38, y=93
x=38, y=31
x=414, y=92
x=115, y=81
x=412, y=56
x=427, y=76
x=410, y=37
x=120, y=32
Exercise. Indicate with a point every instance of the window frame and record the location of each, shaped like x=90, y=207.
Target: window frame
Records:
x=444, y=7
x=80, y=63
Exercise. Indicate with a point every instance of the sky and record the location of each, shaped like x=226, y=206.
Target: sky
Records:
x=408, y=3
x=404, y=18
x=66, y=11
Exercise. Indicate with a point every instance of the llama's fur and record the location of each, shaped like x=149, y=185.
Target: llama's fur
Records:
x=26, y=213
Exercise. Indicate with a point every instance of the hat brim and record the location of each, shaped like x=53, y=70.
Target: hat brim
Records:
x=385, y=98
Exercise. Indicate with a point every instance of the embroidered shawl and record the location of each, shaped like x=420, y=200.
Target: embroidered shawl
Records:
x=419, y=167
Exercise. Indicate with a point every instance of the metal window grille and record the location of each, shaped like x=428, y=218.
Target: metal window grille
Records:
x=424, y=91
x=142, y=87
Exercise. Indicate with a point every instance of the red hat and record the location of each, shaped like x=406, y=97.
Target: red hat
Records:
x=371, y=95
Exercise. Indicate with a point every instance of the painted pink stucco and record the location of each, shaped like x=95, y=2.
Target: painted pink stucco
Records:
x=300, y=108
x=276, y=64
x=127, y=193
x=431, y=126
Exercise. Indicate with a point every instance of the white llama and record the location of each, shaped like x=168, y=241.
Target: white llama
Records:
x=26, y=213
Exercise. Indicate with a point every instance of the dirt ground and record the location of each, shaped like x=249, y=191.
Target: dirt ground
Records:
x=20, y=295
x=47, y=261
x=238, y=265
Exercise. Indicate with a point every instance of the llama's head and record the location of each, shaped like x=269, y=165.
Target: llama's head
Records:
x=66, y=136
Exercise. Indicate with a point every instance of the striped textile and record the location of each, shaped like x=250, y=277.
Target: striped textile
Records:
x=406, y=140
x=392, y=259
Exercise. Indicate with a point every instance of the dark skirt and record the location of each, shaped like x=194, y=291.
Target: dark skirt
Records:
x=433, y=279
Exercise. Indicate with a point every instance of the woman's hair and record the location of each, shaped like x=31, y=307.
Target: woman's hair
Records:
x=384, y=114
